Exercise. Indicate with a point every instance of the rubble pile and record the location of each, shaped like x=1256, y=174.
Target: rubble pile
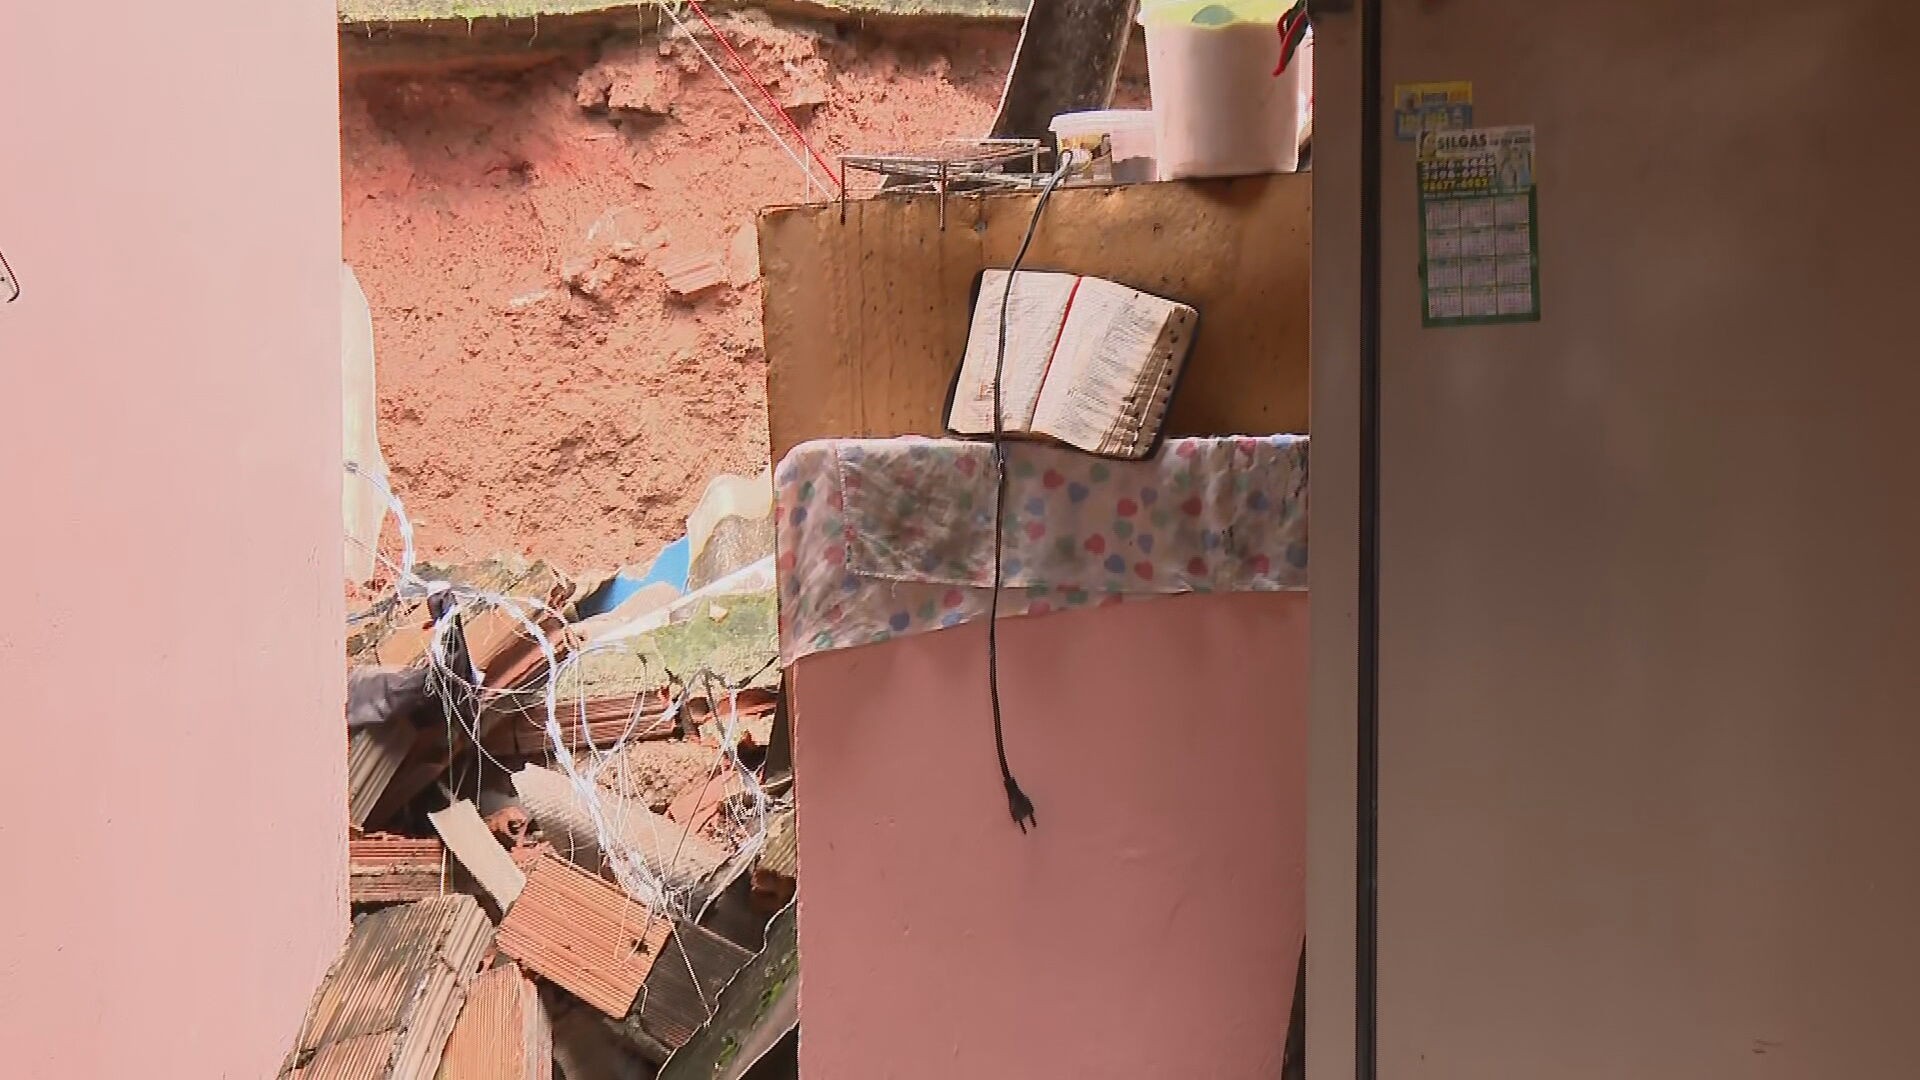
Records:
x=570, y=840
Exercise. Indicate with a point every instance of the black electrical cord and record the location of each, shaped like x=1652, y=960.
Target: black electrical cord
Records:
x=1018, y=804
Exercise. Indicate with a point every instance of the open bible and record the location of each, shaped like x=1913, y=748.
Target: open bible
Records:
x=1089, y=363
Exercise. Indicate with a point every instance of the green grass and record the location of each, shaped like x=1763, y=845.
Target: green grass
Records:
x=735, y=649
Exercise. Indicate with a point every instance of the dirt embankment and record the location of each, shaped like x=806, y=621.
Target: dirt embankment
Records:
x=541, y=388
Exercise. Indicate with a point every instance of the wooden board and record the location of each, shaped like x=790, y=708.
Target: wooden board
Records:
x=754, y=1012
x=866, y=319
x=683, y=989
x=1067, y=61
x=466, y=835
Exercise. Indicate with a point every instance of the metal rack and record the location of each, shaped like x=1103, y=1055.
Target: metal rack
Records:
x=971, y=163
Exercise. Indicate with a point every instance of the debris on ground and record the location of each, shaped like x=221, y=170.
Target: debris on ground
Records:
x=388, y=869
x=503, y=1032
x=561, y=832
x=569, y=809
x=391, y=1001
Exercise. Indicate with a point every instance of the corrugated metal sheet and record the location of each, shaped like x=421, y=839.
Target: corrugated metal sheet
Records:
x=583, y=935
x=607, y=720
x=374, y=757
x=400, y=981
x=503, y=1033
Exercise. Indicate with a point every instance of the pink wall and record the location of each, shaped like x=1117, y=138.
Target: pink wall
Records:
x=170, y=648
x=1149, y=929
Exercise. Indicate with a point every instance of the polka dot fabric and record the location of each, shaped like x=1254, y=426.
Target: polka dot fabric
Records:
x=884, y=537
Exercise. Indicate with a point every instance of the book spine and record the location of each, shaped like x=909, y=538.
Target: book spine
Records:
x=1148, y=412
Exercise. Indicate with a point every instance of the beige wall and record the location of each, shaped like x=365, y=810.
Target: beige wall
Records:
x=170, y=645
x=1647, y=688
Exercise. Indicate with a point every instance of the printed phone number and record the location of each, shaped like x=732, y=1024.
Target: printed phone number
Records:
x=1463, y=178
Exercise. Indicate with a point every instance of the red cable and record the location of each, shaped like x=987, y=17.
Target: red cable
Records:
x=764, y=93
x=1061, y=334
x=1293, y=27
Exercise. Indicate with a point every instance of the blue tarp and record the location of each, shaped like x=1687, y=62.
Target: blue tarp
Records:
x=670, y=566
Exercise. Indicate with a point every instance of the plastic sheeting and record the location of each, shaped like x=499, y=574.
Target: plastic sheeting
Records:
x=731, y=529
x=362, y=507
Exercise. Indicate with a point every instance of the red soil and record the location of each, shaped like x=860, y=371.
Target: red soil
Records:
x=540, y=390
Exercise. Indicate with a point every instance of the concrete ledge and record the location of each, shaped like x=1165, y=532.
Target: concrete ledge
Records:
x=364, y=12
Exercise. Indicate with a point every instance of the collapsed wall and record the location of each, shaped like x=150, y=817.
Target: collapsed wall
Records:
x=558, y=249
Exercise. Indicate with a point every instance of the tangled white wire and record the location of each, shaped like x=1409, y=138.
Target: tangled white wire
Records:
x=649, y=882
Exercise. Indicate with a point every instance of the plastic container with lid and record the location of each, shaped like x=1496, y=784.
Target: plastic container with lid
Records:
x=1120, y=141
x=1219, y=108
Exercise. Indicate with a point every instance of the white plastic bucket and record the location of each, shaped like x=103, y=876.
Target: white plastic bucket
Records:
x=1120, y=142
x=1219, y=109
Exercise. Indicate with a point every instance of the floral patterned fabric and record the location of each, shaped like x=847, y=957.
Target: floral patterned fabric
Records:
x=879, y=538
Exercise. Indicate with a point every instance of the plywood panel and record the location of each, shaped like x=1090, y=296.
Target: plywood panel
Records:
x=866, y=316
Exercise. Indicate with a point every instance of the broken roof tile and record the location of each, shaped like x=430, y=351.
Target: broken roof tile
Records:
x=503, y=649
x=583, y=935
x=683, y=860
x=700, y=803
x=605, y=721
x=385, y=869
x=690, y=273
x=365, y=1057
x=613, y=719
x=503, y=1032
x=387, y=1007
x=390, y=767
